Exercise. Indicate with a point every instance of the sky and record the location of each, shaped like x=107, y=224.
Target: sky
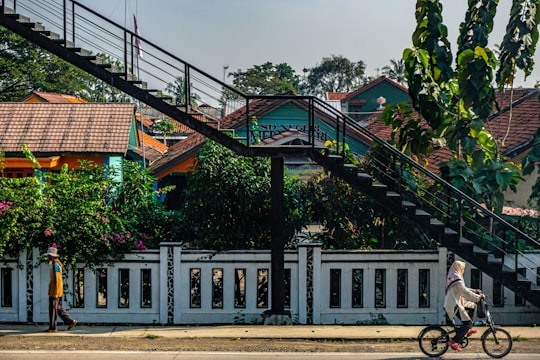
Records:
x=213, y=34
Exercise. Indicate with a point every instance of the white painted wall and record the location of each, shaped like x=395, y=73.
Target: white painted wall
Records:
x=172, y=259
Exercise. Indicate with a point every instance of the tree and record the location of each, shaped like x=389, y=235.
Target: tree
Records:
x=352, y=221
x=266, y=79
x=166, y=127
x=334, y=74
x=91, y=217
x=25, y=67
x=456, y=103
x=395, y=71
x=226, y=204
x=178, y=91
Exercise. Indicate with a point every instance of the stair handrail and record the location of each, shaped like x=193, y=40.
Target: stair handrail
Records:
x=458, y=193
x=341, y=118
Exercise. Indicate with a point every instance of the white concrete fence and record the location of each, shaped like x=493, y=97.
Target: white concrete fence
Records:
x=177, y=286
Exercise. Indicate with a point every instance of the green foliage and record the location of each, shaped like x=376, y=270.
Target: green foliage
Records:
x=352, y=221
x=334, y=74
x=226, y=204
x=166, y=127
x=395, y=71
x=456, y=103
x=90, y=217
x=25, y=67
x=519, y=43
x=178, y=90
x=266, y=79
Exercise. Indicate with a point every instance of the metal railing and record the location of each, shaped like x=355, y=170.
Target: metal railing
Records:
x=137, y=58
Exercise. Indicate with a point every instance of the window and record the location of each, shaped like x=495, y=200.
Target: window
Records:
x=123, y=288
x=78, y=280
x=262, y=288
x=239, y=288
x=102, y=288
x=7, y=288
x=146, y=288
x=498, y=293
x=518, y=300
x=476, y=279
x=380, y=288
x=335, y=288
x=423, y=288
x=402, y=288
x=217, y=288
x=195, y=288
x=357, y=288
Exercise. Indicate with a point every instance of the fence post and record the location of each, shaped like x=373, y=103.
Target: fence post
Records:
x=309, y=283
x=169, y=284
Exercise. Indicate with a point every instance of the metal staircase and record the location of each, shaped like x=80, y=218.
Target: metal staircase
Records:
x=446, y=215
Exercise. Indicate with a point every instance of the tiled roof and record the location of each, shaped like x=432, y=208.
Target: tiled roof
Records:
x=52, y=97
x=336, y=95
x=152, y=142
x=66, y=128
x=515, y=127
x=178, y=153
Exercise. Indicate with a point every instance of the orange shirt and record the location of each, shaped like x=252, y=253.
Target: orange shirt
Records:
x=56, y=287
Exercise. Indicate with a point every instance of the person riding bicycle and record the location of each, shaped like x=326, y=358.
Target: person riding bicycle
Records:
x=460, y=301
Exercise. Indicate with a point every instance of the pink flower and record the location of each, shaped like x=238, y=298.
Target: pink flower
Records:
x=139, y=245
x=48, y=233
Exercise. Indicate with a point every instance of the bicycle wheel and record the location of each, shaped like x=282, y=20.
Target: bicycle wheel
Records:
x=496, y=342
x=433, y=341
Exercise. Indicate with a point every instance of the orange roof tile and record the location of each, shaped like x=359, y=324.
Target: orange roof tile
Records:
x=61, y=128
x=336, y=95
x=52, y=97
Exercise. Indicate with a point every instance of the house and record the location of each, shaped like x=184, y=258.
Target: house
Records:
x=513, y=126
x=372, y=98
x=65, y=133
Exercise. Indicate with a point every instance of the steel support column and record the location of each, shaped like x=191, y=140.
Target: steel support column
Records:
x=278, y=236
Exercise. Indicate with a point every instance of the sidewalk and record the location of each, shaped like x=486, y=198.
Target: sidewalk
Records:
x=246, y=331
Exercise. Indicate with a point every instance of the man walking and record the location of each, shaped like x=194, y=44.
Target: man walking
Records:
x=56, y=290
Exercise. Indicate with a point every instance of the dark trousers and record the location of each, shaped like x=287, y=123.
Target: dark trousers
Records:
x=56, y=309
x=461, y=331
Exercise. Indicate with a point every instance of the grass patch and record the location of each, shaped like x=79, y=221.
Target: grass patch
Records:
x=151, y=336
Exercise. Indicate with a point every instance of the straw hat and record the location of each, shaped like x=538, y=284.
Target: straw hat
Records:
x=52, y=252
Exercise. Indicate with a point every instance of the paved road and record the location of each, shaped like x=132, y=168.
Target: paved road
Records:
x=198, y=355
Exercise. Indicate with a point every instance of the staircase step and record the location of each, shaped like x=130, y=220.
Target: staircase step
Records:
x=51, y=35
x=8, y=11
x=365, y=177
x=334, y=157
x=350, y=167
x=422, y=215
x=18, y=17
x=492, y=260
x=394, y=196
x=480, y=253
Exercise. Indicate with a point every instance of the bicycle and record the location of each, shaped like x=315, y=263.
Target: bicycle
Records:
x=496, y=341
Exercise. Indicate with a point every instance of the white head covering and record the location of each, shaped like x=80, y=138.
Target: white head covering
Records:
x=455, y=273
x=52, y=252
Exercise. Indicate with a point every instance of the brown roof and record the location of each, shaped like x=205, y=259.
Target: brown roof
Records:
x=61, y=128
x=516, y=126
x=52, y=97
x=336, y=95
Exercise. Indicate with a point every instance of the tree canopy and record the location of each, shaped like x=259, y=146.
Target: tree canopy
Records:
x=25, y=67
x=266, y=79
x=456, y=102
x=334, y=74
